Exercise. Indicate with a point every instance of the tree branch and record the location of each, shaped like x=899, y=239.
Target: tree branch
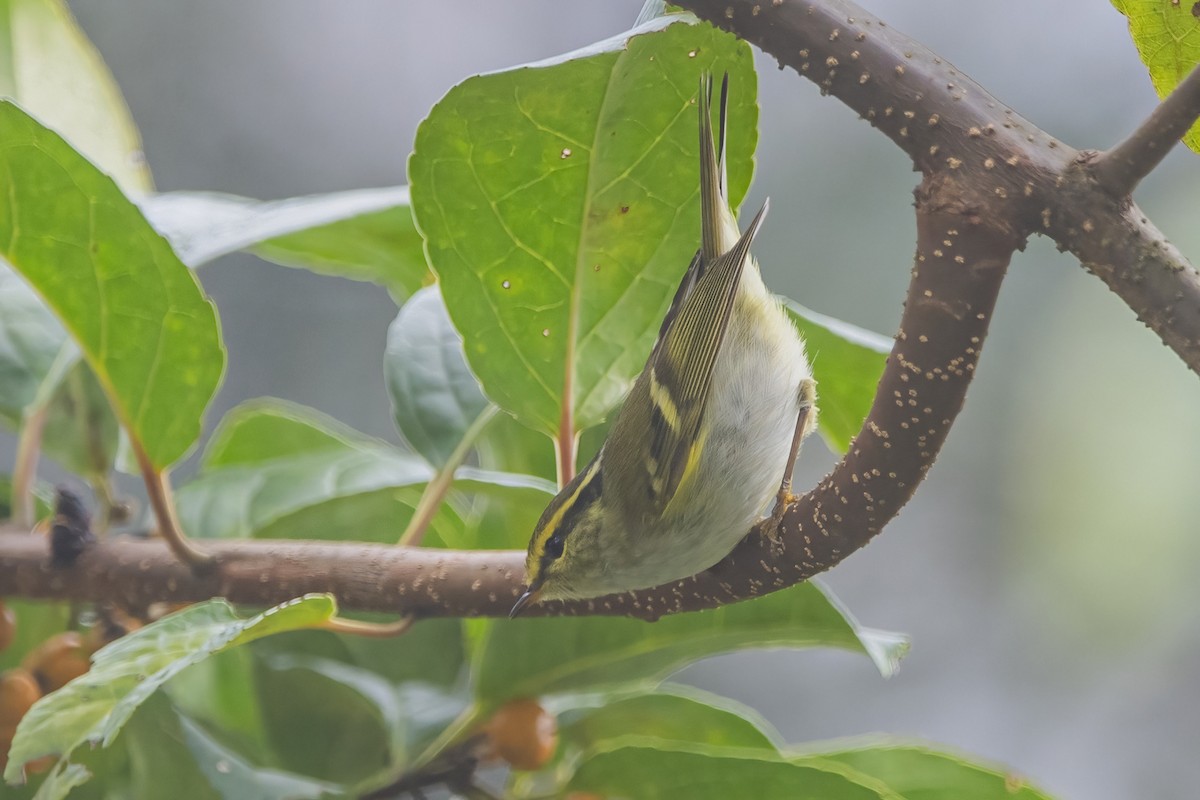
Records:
x=948, y=123
x=1121, y=169
x=961, y=257
x=990, y=179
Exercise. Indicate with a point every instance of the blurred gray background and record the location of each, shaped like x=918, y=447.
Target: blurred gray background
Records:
x=1045, y=568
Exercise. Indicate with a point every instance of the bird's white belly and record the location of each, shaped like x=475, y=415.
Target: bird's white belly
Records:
x=751, y=417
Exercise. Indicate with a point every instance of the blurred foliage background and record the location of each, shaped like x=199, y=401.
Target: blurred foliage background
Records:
x=1044, y=570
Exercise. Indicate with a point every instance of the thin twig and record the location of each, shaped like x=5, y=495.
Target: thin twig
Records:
x=436, y=489
x=29, y=445
x=162, y=502
x=372, y=630
x=1120, y=169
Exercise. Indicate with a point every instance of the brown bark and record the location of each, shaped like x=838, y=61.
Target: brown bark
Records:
x=991, y=178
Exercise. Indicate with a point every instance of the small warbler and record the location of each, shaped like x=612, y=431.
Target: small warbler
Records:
x=709, y=429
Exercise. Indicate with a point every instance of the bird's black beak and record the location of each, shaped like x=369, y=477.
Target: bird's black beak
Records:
x=529, y=597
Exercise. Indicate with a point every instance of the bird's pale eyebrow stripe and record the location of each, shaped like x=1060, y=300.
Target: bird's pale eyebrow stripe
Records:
x=586, y=493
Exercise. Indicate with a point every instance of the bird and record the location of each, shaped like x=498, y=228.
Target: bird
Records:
x=708, y=433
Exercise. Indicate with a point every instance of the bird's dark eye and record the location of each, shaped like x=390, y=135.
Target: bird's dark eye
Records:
x=554, y=546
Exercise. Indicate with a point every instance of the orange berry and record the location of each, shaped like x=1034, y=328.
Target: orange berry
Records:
x=58, y=660
x=523, y=733
x=8, y=625
x=19, y=690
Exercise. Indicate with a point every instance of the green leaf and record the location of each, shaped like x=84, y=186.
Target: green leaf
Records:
x=48, y=65
x=847, y=362
x=435, y=398
x=94, y=707
x=1167, y=37
x=649, y=770
x=137, y=313
x=221, y=694
x=203, y=768
x=674, y=714
x=364, y=234
x=279, y=469
x=327, y=719
x=920, y=772
x=559, y=204
x=277, y=713
x=530, y=657
x=30, y=338
x=81, y=432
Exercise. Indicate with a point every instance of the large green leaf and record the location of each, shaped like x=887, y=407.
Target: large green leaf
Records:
x=49, y=67
x=94, y=707
x=649, y=770
x=435, y=398
x=521, y=657
x=363, y=234
x=137, y=313
x=847, y=362
x=674, y=714
x=1167, y=37
x=415, y=682
x=172, y=756
x=559, y=207
x=920, y=772
x=278, y=469
x=328, y=719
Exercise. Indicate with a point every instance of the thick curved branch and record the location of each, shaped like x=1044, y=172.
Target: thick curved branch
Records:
x=948, y=123
x=961, y=259
x=991, y=179
x=1121, y=169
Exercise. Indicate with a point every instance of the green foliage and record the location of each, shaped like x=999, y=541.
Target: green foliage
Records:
x=847, y=362
x=558, y=236
x=48, y=66
x=435, y=398
x=278, y=469
x=114, y=283
x=564, y=654
x=558, y=230
x=1167, y=37
x=366, y=234
x=95, y=707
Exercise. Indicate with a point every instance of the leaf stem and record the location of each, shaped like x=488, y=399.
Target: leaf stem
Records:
x=162, y=501
x=374, y=630
x=565, y=446
x=436, y=489
x=29, y=445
